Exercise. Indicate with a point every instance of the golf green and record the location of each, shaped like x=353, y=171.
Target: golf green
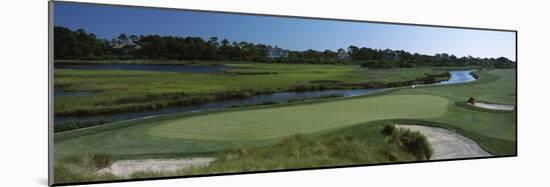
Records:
x=300, y=119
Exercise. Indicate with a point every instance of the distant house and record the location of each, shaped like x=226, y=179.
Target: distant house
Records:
x=124, y=47
x=391, y=55
x=343, y=55
x=275, y=52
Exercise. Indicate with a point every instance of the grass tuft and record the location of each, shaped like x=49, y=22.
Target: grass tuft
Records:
x=472, y=100
x=102, y=160
x=411, y=141
x=388, y=129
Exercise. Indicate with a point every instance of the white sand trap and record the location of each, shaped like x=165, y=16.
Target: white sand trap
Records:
x=125, y=168
x=447, y=144
x=494, y=106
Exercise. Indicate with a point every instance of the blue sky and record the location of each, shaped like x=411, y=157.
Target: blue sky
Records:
x=296, y=34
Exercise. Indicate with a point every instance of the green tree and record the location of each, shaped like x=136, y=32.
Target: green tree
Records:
x=122, y=38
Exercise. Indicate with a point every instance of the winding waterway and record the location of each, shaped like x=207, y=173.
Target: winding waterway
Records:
x=459, y=76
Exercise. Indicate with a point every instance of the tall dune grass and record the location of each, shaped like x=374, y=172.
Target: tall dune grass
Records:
x=411, y=141
x=82, y=168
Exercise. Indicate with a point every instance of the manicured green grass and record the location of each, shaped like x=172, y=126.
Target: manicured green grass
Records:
x=279, y=122
x=123, y=91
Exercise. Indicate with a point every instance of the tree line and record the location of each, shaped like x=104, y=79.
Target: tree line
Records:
x=80, y=45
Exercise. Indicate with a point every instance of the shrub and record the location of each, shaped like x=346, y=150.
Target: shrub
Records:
x=412, y=142
x=300, y=88
x=416, y=144
x=268, y=103
x=474, y=74
x=394, y=153
x=388, y=129
x=471, y=100
x=102, y=160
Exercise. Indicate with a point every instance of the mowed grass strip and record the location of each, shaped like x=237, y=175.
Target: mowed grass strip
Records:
x=279, y=122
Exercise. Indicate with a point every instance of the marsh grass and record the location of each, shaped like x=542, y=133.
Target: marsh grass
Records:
x=331, y=95
x=129, y=91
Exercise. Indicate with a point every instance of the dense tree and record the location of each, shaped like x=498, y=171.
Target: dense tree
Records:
x=122, y=38
x=81, y=45
x=134, y=38
x=78, y=45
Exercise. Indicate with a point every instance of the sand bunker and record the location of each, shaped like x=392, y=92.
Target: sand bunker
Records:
x=447, y=144
x=125, y=168
x=494, y=106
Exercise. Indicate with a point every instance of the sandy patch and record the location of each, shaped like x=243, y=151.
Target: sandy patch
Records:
x=447, y=144
x=494, y=106
x=125, y=168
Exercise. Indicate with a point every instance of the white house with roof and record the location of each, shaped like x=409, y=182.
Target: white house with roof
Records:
x=342, y=54
x=126, y=45
x=276, y=52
